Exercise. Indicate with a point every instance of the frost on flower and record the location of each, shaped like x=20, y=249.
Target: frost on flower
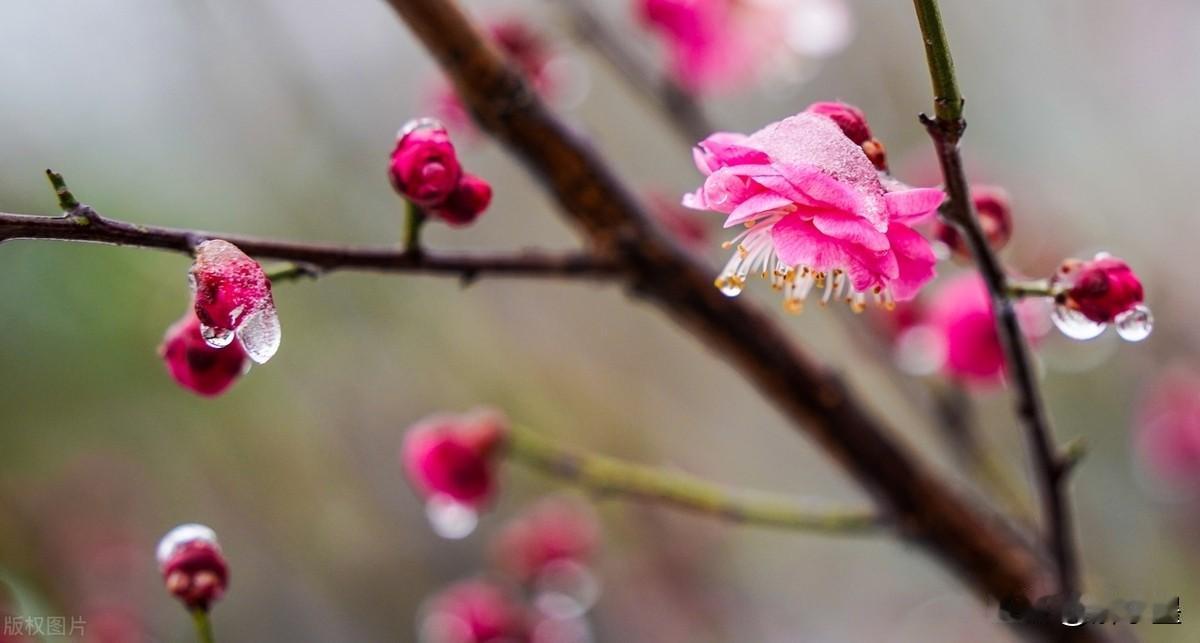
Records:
x=720, y=45
x=816, y=214
x=233, y=299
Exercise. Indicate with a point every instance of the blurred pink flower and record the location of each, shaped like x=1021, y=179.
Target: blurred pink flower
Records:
x=454, y=455
x=817, y=214
x=197, y=366
x=233, y=298
x=961, y=315
x=1167, y=428
x=722, y=45
x=995, y=217
x=192, y=565
x=474, y=611
x=1092, y=294
x=554, y=529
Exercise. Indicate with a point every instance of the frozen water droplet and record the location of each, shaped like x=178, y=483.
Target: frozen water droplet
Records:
x=216, y=337
x=920, y=350
x=260, y=334
x=731, y=286
x=1073, y=324
x=182, y=535
x=1135, y=324
x=565, y=589
x=450, y=518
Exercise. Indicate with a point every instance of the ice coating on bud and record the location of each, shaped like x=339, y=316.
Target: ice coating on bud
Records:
x=994, y=209
x=851, y=119
x=554, y=529
x=193, y=566
x=424, y=166
x=474, y=611
x=454, y=456
x=233, y=298
x=196, y=365
x=463, y=206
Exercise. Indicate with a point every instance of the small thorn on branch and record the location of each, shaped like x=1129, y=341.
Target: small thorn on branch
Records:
x=1072, y=454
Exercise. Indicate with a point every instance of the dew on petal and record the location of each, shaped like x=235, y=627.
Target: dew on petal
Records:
x=1135, y=324
x=260, y=334
x=449, y=518
x=1073, y=324
x=216, y=337
x=565, y=589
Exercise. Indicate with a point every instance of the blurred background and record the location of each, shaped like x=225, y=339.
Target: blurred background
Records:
x=276, y=117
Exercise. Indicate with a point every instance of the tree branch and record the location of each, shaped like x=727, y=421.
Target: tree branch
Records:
x=85, y=224
x=676, y=104
x=946, y=129
x=982, y=548
x=611, y=476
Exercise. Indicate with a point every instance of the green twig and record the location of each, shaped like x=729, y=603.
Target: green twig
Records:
x=1036, y=288
x=204, y=633
x=611, y=476
x=414, y=220
x=66, y=200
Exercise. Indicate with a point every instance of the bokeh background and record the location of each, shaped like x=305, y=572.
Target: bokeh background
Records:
x=276, y=117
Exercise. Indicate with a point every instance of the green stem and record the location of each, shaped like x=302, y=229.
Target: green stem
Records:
x=947, y=100
x=611, y=476
x=204, y=633
x=1036, y=288
x=66, y=200
x=414, y=220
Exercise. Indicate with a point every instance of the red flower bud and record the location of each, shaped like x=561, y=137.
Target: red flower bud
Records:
x=197, y=366
x=555, y=529
x=474, y=611
x=453, y=455
x=468, y=200
x=424, y=166
x=1100, y=289
x=192, y=565
x=995, y=218
x=851, y=119
x=233, y=297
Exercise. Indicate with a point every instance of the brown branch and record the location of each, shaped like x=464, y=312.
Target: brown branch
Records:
x=83, y=223
x=678, y=105
x=984, y=550
x=946, y=129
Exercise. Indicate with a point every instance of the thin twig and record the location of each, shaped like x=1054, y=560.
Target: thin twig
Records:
x=612, y=476
x=678, y=106
x=946, y=129
x=82, y=223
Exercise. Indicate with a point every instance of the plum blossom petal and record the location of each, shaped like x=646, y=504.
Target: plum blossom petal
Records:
x=757, y=206
x=848, y=227
x=914, y=258
x=913, y=206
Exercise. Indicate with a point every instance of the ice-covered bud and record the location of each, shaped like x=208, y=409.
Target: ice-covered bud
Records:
x=464, y=205
x=473, y=611
x=995, y=219
x=192, y=565
x=424, y=167
x=454, y=455
x=233, y=298
x=553, y=530
x=1091, y=294
x=195, y=365
x=849, y=118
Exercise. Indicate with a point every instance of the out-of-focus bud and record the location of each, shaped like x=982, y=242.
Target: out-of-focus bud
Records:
x=555, y=529
x=1167, y=430
x=192, y=565
x=1092, y=294
x=464, y=205
x=454, y=455
x=473, y=611
x=995, y=218
x=195, y=365
x=424, y=166
x=233, y=298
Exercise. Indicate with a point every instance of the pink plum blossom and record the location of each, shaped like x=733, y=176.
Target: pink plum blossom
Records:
x=722, y=45
x=1167, y=429
x=233, y=298
x=454, y=455
x=553, y=530
x=816, y=213
x=681, y=224
x=192, y=565
x=197, y=366
x=1090, y=295
x=475, y=611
